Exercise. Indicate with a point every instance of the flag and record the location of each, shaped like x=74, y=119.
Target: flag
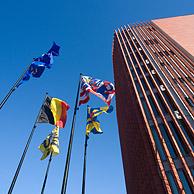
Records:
x=34, y=70
x=39, y=64
x=102, y=89
x=50, y=144
x=93, y=125
x=45, y=60
x=54, y=111
x=54, y=49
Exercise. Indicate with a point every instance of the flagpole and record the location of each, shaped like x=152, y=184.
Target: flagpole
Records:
x=14, y=87
x=46, y=175
x=24, y=152
x=68, y=157
x=84, y=167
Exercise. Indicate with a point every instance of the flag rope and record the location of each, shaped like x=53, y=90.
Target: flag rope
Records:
x=25, y=151
x=68, y=157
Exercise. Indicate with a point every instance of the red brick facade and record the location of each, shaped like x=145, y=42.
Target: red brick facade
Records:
x=154, y=99
x=141, y=171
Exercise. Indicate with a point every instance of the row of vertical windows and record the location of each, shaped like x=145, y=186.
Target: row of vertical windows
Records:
x=183, y=178
x=161, y=126
x=173, y=108
x=162, y=106
x=157, y=96
x=171, y=124
x=181, y=122
x=147, y=112
x=181, y=79
x=189, y=100
x=163, y=131
x=149, y=79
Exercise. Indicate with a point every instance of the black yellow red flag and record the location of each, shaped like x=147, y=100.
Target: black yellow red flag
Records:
x=54, y=111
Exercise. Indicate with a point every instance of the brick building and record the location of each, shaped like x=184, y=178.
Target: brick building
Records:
x=154, y=79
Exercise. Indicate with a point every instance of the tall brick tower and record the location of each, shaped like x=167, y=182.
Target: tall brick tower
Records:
x=154, y=78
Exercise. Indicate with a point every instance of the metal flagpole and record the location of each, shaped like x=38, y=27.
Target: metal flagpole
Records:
x=46, y=175
x=25, y=151
x=84, y=167
x=68, y=157
x=14, y=87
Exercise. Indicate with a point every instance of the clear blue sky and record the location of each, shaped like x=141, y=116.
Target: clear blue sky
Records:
x=84, y=30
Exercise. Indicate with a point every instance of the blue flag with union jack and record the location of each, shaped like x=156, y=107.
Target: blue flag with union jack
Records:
x=105, y=90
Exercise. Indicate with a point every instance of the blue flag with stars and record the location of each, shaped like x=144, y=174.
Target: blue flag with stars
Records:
x=39, y=64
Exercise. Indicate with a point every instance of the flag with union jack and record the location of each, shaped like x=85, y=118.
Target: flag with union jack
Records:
x=102, y=89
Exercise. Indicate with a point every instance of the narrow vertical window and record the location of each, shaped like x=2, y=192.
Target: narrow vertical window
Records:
x=184, y=181
x=158, y=144
x=178, y=140
x=156, y=113
x=169, y=101
x=146, y=110
x=161, y=103
x=167, y=140
x=150, y=82
x=189, y=137
x=138, y=88
x=172, y=183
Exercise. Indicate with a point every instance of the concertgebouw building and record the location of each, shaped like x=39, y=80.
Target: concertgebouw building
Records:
x=154, y=79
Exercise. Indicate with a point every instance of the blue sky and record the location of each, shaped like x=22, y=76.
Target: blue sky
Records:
x=84, y=30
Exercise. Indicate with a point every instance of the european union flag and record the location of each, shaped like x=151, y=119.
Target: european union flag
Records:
x=45, y=60
x=34, y=70
x=93, y=124
x=39, y=64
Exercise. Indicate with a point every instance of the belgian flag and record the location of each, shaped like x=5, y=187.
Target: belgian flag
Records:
x=54, y=111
